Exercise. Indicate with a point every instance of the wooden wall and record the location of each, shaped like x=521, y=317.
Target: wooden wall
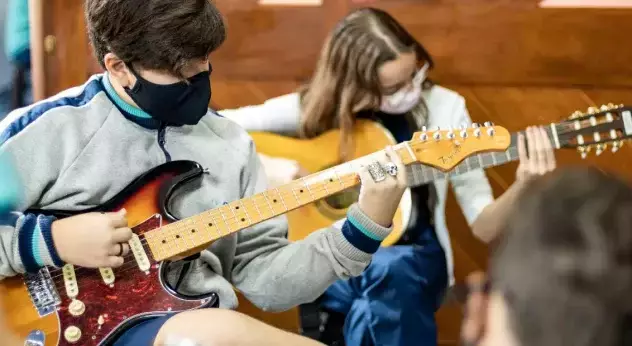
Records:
x=516, y=65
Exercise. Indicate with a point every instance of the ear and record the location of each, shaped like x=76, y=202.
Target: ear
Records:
x=119, y=71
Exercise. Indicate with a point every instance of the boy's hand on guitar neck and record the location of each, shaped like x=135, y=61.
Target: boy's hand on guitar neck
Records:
x=93, y=240
x=379, y=199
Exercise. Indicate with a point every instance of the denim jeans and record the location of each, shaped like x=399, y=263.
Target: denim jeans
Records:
x=394, y=301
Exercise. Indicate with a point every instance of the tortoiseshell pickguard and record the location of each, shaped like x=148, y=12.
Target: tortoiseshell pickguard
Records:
x=134, y=293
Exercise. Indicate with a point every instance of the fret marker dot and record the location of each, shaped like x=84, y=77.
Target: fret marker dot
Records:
x=192, y=231
x=242, y=220
x=164, y=241
x=274, y=201
x=331, y=180
x=237, y=207
x=178, y=236
x=301, y=191
x=210, y=225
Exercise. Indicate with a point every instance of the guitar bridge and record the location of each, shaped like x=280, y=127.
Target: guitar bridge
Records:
x=42, y=291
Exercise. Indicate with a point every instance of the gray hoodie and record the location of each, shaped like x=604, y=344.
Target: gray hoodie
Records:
x=82, y=147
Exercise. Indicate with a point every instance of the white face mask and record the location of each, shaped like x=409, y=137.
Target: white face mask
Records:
x=404, y=100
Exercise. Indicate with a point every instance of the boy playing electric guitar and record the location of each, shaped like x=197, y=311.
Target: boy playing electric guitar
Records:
x=78, y=149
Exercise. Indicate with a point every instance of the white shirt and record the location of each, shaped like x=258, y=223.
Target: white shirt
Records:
x=446, y=109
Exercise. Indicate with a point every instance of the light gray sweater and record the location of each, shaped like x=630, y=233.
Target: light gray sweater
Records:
x=82, y=147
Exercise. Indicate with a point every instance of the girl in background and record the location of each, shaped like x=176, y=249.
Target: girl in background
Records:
x=371, y=67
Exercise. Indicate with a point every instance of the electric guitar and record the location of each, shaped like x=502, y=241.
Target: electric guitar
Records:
x=80, y=306
x=592, y=130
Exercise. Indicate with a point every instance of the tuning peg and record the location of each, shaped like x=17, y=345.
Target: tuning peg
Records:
x=423, y=137
x=463, y=134
x=475, y=125
x=451, y=134
x=463, y=127
x=600, y=148
x=490, y=132
x=615, y=147
x=583, y=151
x=488, y=123
x=593, y=110
x=576, y=115
x=477, y=133
x=436, y=136
x=606, y=107
x=424, y=129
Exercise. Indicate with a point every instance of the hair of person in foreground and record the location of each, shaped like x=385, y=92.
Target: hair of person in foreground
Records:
x=562, y=275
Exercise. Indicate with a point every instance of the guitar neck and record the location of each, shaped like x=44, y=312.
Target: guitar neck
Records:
x=427, y=174
x=195, y=233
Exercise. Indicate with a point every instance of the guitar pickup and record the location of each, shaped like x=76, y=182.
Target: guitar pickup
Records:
x=107, y=275
x=70, y=281
x=140, y=255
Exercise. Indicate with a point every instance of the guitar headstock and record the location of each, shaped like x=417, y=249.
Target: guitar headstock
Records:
x=444, y=149
x=596, y=129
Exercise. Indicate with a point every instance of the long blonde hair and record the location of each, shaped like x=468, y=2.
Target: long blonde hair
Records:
x=346, y=74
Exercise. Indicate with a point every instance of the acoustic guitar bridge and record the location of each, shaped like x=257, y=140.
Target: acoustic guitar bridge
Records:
x=41, y=288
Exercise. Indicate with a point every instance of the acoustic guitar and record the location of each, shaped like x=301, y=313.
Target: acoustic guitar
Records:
x=82, y=306
x=594, y=129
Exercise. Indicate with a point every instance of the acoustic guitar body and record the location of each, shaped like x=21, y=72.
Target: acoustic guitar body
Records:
x=320, y=153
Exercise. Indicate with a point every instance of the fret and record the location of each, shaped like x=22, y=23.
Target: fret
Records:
x=410, y=151
x=301, y=196
x=168, y=241
x=245, y=211
x=325, y=185
x=257, y=207
x=215, y=224
x=281, y=199
x=200, y=236
x=265, y=196
x=295, y=196
x=308, y=189
x=186, y=238
x=338, y=177
x=224, y=219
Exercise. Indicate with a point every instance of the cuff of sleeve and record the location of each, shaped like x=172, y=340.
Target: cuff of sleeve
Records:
x=362, y=233
x=369, y=228
x=35, y=242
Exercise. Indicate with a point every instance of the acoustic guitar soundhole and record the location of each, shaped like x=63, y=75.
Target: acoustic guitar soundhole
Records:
x=335, y=206
x=344, y=199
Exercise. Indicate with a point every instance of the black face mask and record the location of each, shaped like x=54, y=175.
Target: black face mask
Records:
x=177, y=104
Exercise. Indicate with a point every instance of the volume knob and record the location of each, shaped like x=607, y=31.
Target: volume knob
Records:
x=77, y=308
x=72, y=334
